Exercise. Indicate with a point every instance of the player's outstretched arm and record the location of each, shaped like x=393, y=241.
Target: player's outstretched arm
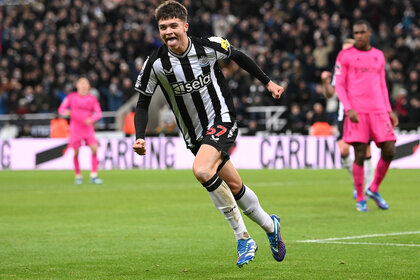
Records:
x=246, y=63
x=275, y=90
x=140, y=123
x=249, y=65
x=140, y=147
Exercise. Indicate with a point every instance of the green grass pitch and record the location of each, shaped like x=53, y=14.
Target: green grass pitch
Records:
x=162, y=225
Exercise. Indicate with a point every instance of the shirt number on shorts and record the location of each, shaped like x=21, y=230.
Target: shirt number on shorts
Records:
x=212, y=130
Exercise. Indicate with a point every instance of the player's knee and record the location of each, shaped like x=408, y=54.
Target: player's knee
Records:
x=202, y=174
x=344, y=148
x=388, y=153
x=359, y=154
x=344, y=153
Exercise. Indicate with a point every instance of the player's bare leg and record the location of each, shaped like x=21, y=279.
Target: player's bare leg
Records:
x=94, y=165
x=76, y=165
x=204, y=168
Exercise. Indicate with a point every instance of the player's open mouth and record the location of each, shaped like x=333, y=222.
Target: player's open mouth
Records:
x=171, y=39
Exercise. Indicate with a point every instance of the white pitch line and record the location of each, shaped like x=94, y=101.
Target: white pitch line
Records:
x=369, y=243
x=358, y=237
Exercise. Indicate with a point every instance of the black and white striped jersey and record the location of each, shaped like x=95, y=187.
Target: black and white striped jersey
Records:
x=192, y=83
x=340, y=110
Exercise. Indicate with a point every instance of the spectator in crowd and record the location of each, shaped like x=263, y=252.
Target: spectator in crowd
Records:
x=296, y=120
x=4, y=98
x=129, y=129
x=59, y=127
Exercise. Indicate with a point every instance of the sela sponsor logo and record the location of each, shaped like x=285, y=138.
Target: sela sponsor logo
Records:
x=191, y=86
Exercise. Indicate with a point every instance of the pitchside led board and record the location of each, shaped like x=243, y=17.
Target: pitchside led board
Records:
x=272, y=152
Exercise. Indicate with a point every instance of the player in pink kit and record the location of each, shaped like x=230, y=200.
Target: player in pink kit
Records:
x=361, y=87
x=84, y=110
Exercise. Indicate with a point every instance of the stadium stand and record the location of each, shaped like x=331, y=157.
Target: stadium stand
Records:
x=46, y=45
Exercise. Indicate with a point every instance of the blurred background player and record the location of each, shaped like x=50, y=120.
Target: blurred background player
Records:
x=83, y=110
x=186, y=68
x=346, y=160
x=361, y=87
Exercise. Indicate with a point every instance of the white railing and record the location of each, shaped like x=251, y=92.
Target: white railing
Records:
x=272, y=116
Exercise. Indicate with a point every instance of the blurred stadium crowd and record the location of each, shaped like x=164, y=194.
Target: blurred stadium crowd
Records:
x=46, y=45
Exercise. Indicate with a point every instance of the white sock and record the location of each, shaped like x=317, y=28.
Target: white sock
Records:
x=223, y=199
x=251, y=207
x=347, y=163
x=369, y=172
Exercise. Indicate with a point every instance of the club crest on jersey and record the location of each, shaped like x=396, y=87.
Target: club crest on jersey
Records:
x=225, y=44
x=203, y=61
x=201, y=81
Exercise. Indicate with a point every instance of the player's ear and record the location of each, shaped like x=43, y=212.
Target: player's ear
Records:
x=186, y=26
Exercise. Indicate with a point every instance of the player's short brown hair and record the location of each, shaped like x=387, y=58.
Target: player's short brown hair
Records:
x=171, y=9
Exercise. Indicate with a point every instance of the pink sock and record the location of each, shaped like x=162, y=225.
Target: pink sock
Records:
x=358, y=178
x=380, y=173
x=76, y=165
x=94, y=163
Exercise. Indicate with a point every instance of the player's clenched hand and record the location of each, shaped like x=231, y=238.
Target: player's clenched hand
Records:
x=66, y=113
x=140, y=147
x=275, y=89
x=325, y=75
x=394, y=119
x=353, y=116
